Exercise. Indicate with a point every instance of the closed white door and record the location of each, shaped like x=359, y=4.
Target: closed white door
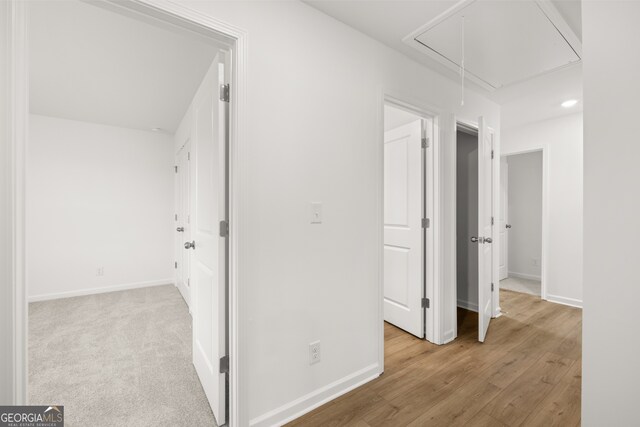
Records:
x=209, y=256
x=485, y=228
x=183, y=228
x=403, y=232
x=503, y=220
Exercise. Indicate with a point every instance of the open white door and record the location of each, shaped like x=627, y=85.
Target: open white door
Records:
x=485, y=228
x=403, y=231
x=503, y=218
x=209, y=241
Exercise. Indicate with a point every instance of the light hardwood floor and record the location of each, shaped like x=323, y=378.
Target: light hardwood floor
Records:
x=527, y=373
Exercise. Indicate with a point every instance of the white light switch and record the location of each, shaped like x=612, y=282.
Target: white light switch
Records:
x=316, y=213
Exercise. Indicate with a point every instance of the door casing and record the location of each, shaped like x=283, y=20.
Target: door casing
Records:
x=545, y=211
x=431, y=194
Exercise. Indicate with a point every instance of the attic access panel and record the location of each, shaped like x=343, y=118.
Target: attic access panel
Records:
x=505, y=41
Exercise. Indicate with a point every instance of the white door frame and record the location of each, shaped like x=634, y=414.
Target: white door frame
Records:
x=179, y=204
x=432, y=194
x=544, y=273
x=15, y=139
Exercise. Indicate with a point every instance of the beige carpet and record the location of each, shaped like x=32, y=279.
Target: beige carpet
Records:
x=117, y=359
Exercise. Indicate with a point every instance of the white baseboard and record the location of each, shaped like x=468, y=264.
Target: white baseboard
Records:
x=448, y=337
x=564, y=300
x=468, y=305
x=102, y=290
x=309, y=402
x=525, y=276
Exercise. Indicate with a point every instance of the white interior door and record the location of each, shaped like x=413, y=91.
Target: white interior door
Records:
x=503, y=219
x=403, y=232
x=183, y=228
x=485, y=228
x=209, y=257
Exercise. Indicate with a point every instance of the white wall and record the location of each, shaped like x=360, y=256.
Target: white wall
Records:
x=611, y=372
x=314, y=133
x=98, y=197
x=525, y=215
x=561, y=140
x=467, y=221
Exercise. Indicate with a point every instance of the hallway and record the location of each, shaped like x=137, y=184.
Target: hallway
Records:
x=528, y=372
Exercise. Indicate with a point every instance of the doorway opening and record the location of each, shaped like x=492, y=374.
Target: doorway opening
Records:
x=129, y=159
x=474, y=269
x=408, y=188
x=520, y=223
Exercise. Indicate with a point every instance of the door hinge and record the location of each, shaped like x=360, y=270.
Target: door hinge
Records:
x=176, y=216
x=426, y=303
x=188, y=282
x=175, y=264
x=492, y=287
x=224, y=92
x=426, y=222
x=491, y=220
x=224, y=364
x=176, y=168
x=224, y=228
x=492, y=154
x=189, y=156
x=425, y=142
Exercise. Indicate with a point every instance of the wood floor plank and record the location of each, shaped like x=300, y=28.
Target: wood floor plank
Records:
x=527, y=372
x=449, y=412
x=516, y=402
x=562, y=406
x=482, y=419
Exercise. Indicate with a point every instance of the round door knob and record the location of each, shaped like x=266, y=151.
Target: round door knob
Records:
x=180, y=229
x=190, y=245
x=488, y=240
x=474, y=239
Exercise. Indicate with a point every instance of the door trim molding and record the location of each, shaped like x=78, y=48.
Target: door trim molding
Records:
x=18, y=112
x=545, y=214
x=433, y=257
x=14, y=139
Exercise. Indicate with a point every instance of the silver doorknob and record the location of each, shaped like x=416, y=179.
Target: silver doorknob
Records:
x=180, y=229
x=190, y=245
x=508, y=226
x=488, y=240
x=474, y=239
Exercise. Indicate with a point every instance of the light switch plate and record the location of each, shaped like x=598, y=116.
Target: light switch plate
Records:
x=316, y=213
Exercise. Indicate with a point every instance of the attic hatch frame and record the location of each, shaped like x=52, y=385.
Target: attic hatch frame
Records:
x=547, y=8
x=14, y=143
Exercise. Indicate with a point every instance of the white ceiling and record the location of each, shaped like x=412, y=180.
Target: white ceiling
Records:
x=391, y=21
x=91, y=64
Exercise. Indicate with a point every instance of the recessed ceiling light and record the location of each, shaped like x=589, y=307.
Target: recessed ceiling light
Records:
x=569, y=103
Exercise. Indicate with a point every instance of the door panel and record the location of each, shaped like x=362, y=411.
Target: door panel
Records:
x=485, y=229
x=182, y=223
x=209, y=258
x=503, y=219
x=403, y=232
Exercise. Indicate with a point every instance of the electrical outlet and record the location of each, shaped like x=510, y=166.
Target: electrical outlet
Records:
x=100, y=271
x=314, y=352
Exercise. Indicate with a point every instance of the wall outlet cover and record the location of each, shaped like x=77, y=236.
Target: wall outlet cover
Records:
x=314, y=352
